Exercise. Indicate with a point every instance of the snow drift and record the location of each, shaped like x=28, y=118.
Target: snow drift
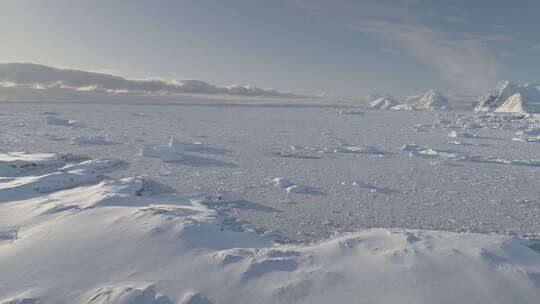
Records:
x=99, y=240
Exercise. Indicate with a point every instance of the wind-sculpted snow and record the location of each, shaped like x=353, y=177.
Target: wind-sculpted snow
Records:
x=119, y=241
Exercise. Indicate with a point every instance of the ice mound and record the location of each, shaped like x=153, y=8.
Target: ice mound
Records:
x=92, y=140
x=127, y=295
x=170, y=153
x=403, y=107
x=282, y=182
x=53, y=120
x=361, y=150
x=297, y=189
x=431, y=153
x=464, y=134
x=512, y=98
x=175, y=150
x=290, y=187
x=412, y=147
x=383, y=103
x=116, y=241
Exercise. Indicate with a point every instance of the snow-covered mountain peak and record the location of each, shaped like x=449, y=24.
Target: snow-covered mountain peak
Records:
x=510, y=97
x=433, y=100
x=383, y=103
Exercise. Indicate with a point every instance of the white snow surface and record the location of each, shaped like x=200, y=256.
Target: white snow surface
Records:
x=101, y=240
x=289, y=204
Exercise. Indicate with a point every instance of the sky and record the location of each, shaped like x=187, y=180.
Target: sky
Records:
x=308, y=47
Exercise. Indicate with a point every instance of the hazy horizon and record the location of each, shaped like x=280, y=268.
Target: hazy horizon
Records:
x=305, y=47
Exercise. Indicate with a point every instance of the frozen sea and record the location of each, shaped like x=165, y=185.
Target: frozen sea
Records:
x=238, y=149
x=278, y=202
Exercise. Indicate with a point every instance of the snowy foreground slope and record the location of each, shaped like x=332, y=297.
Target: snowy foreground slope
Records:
x=69, y=234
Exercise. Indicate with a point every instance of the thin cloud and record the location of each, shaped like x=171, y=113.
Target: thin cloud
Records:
x=28, y=75
x=460, y=59
x=465, y=63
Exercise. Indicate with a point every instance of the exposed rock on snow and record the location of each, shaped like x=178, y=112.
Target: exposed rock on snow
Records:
x=383, y=103
x=18, y=163
x=512, y=98
x=69, y=176
x=15, y=162
x=103, y=243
